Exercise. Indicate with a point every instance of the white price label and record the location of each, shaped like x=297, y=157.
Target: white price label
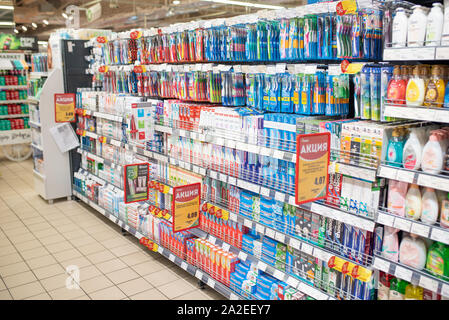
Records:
x=199, y=274
x=260, y=228
x=212, y=239
x=406, y=176
x=445, y=290
x=385, y=219
x=222, y=177
x=424, y=54
x=292, y=282
x=269, y=233
x=211, y=282
x=440, y=235
x=230, y=144
x=388, y=172
x=264, y=192
x=213, y=175
x=381, y=264
x=403, y=273
x=441, y=183
x=248, y=223
x=402, y=224
x=184, y=265
x=428, y=283
x=442, y=53
x=442, y=116
x=232, y=216
x=262, y=266
x=295, y=243
x=232, y=296
x=420, y=230
x=425, y=180
x=226, y=246
x=280, y=237
x=252, y=148
x=219, y=141
x=278, y=274
x=171, y=257
x=252, y=187
x=242, y=256
x=307, y=248
x=278, y=154
x=279, y=196
x=232, y=180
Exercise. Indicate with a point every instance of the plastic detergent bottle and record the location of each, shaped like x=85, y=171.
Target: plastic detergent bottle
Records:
x=435, y=88
x=397, y=289
x=415, y=91
x=413, y=251
x=433, y=154
x=444, y=216
x=434, y=28
x=413, y=203
x=413, y=292
x=397, y=87
x=400, y=28
x=417, y=27
x=412, y=153
x=429, y=213
x=390, y=244
x=395, y=148
x=438, y=259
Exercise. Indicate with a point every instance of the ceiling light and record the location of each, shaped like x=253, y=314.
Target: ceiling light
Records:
x=246, y=4
x=24, y=28
x=45, y=22
x=33, y=25
x=176, y=2
x=7, y=7
x=16, y=31
x=65, y=15
x=7, y=23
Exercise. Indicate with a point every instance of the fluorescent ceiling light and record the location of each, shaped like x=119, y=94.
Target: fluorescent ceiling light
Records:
x=16, y=31
x=24, y=28
x=7, y=23
x=45, y=22
x=176, y=2
x=7, y=7
x=246, y=4
x=65, y=15
x=33, y=25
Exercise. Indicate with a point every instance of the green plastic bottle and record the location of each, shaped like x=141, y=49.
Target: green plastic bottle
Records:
x=397, y=289
x=438, y=259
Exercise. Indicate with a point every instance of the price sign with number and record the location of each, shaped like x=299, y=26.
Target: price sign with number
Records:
x=186, y=207
x=65, y=107
x=312, y=165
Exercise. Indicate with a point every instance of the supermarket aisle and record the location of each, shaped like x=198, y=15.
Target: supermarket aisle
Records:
x=38, y=241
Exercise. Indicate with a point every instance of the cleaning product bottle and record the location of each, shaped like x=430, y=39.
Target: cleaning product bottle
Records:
x=400, y=27
x=395, y=148
x=435, y=89
x=413, y=251
x=413, y=203
x=413, y=292
x=397, y=191
x=434, y=28
x=444, y=216
x=397, y=289
x=433, y=154
x=430, y=210
x=396, y=87
x=413, y=147
x=415, y=91
x=417, y=27
x=438, y=259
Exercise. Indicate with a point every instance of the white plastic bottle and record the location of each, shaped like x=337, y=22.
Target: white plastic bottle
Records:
x=413, y=251
x=413, y=202
x=430, y=209
x=412, y=152
x=433, y=154
x=445, y=37
x=417, y=27
x=400, y=28
x=434, y=28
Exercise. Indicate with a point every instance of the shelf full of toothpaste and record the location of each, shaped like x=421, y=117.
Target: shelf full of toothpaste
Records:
x=309, y=37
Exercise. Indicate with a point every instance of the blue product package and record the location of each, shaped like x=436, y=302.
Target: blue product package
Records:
x=355, y=243
x=347, y=240
x=361, y=247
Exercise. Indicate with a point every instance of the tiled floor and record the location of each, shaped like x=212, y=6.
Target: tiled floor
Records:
x=38, y=241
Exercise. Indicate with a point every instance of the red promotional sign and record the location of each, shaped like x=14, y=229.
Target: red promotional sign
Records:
x=186, y=207
x=312, y=164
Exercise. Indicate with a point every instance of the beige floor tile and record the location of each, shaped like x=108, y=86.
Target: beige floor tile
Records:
x=42, y=261
x=111, y=265
x=135, y=286
x=148, y=267
x=19, y=279
x=136, y=258
x=95, y=284
x=105, y=235
x=86, y=240
x=152, y=294
x=42, y=296
x=111, y=293
x=27, y=245
x=91, y=248
x=5, y=242
x=122, y=275
x=176, y=288
x=85, y=297
x=55, y=282
x=100, y=256
x=67, y=254
x=48, y=271
x=10, y=259
x=193, y=295
x=68, y=228
x=2, y=285
x=59, y=246
x=60, y=222
x=115, y=242
x=66, y=294
x=70, y=235
x=12, y=269
x=4, y=295
x=39, y=226
x=36, y=220
x=7, y=250
x=46, y=233
x=52, y=239
x=20, y=238
x=12, y=225
x=26, y=290
x=79, y=262
x=89, y=272
x=124, y=250
x=161, y=277
x=34, y=253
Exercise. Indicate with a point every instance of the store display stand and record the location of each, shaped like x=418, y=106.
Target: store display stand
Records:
x=53, y=181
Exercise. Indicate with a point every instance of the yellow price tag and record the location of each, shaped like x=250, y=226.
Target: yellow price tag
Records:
x=225, y=215
x=354, y=68
x=346, y=7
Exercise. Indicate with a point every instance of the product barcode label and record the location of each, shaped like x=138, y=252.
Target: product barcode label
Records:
x=295, y=243
x=420, y=229
x=387, y=172
x=212, y=239
x=406, y=176
x=402, y=224
x=261, y=266
x=381, y=264
x=445, y=290
x=280, y=237
x=428, y=283
x=171, y=257
x=385, y=219
x=269, y=233
x=226, y=246
x=199, y=274
x=307, y=248
x=248, y=223
x=242, y=256
x=260, y=228
x=211, y=282
x=403, y=273
x=440, y=235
